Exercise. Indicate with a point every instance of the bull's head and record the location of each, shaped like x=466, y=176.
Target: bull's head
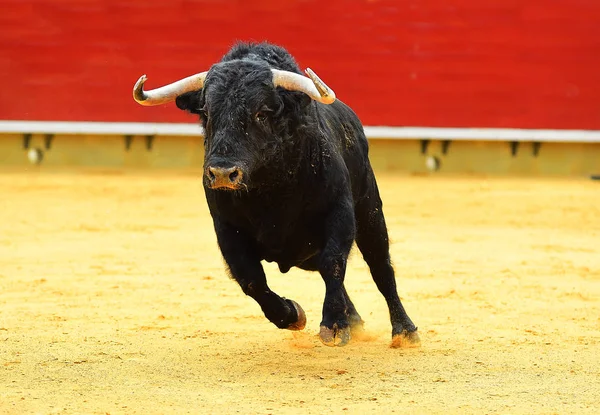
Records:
x=246, y=119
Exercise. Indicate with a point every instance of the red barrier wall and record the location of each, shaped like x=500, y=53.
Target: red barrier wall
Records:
x=461, y=63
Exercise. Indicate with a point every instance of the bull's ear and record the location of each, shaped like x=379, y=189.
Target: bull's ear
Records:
x=190, y=101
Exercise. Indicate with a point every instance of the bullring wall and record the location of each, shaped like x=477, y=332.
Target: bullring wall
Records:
x=435, y=63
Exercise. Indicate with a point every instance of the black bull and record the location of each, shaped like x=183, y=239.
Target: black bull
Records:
x=288, y=179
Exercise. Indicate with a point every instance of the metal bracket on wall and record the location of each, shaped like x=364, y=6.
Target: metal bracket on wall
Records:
x=514, y=148
x=128, y=140
x=149, y=142
x=26, y=140
x=48, y=141
x=424, y=145
x=445, y=146
x=536, y=148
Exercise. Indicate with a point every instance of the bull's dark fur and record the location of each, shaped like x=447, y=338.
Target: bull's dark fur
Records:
x=308, y=188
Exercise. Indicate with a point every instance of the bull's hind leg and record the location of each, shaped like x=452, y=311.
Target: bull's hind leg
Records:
x=244, y=265
x=372, y=240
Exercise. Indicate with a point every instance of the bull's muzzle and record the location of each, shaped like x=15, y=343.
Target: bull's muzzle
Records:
x=226, y=178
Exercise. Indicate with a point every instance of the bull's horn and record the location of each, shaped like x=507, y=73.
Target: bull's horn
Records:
x=311, y=86
x=167, y=93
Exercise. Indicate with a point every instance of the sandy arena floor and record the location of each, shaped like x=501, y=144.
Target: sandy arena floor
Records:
x=113, y=299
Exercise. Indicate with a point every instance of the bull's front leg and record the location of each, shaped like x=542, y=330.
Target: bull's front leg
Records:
x=340, y=232
x=243, y=261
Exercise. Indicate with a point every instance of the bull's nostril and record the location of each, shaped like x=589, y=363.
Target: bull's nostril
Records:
x=224, y=177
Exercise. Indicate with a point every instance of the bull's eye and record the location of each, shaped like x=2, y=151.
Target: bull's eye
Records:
x=261, y=116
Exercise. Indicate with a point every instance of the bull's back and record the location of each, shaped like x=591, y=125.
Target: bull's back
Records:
x=346, y=133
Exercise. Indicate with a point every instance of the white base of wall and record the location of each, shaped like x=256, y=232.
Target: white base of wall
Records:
x=372, y=132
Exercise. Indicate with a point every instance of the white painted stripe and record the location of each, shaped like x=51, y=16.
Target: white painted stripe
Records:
x=100, y=128
x=484, y=134
x=372, y=132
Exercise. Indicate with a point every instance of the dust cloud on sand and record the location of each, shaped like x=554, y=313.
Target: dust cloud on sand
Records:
x=114, y=299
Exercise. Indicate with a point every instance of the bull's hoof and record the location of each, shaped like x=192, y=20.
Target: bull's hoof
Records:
x=301, y=322
x=405, y=340
x=334, y=336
